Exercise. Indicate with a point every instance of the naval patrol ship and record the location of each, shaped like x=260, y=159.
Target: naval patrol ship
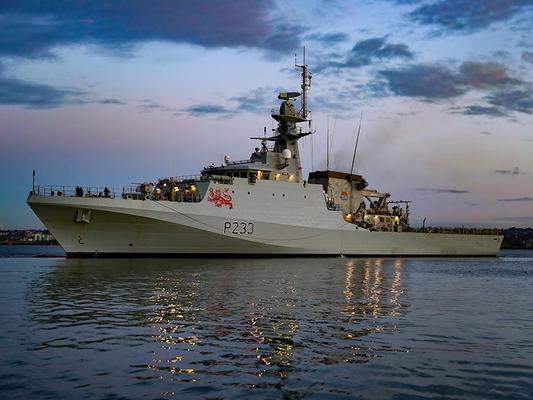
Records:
x=258, y=207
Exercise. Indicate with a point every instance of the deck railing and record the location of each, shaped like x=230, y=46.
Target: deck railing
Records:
x=88, y=191
x=126, y=192
x=184, y=178
x=296, y=113
x=460, y=231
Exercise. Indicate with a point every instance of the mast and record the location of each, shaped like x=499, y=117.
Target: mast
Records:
x=306, y=82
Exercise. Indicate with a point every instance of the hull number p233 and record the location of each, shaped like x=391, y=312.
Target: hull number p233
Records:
x=238, y=228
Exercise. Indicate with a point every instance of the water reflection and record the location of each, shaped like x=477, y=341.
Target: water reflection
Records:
x=235, y=323
x=396, y=289
x=370, y=328
x=375, y=298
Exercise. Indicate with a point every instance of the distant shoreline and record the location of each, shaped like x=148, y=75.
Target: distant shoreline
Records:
x=42, y=243
x=507, y=247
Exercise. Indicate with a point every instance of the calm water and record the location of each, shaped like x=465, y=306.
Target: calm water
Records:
x=266, y=329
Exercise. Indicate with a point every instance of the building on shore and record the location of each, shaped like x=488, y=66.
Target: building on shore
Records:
x=27, y=236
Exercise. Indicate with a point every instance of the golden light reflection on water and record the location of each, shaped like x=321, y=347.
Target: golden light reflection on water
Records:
x=207, y=326
x=350, y=267
x=372, y=286
x=372, y=302
x=396, y=289
x=272, y=327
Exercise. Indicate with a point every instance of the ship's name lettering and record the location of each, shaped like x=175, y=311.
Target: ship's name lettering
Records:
x=238, y=228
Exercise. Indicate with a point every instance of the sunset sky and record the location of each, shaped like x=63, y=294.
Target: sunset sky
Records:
x=101, y=93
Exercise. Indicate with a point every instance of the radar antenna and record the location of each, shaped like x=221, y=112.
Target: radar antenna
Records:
x=306, y=82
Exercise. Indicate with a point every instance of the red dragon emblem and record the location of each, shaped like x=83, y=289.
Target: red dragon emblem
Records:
x=220, y=198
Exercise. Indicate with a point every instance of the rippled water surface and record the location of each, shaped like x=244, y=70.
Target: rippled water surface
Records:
x=266, y=329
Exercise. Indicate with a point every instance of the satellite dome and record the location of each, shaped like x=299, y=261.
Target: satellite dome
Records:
x=286, y=154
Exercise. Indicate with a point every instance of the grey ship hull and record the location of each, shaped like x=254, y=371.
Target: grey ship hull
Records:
x=293, y=222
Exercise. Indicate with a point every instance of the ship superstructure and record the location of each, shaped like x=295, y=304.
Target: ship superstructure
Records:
x=261, y=206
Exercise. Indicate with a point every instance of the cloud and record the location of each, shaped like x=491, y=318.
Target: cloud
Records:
x=35, y=95
x=434, y=82
x=283, y=40
x=401, y=2
x=527, y=57
x=517, y=100
x=424, y=81
x=516, y=171
x=207, y=109
x=453, y=191
x=33, y=28
x=378, y=48
x=365, y=52
x=479, y=110
x=468, y=16
x=255, y=101
x=487, y=74
x=374, y=88
x=148, y=105
x=502, y=54
x=328, y=38
x=111, y=101
x=17, y=92
x=518, y=199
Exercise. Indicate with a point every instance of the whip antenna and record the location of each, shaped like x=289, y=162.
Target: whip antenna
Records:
x=356, y=143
